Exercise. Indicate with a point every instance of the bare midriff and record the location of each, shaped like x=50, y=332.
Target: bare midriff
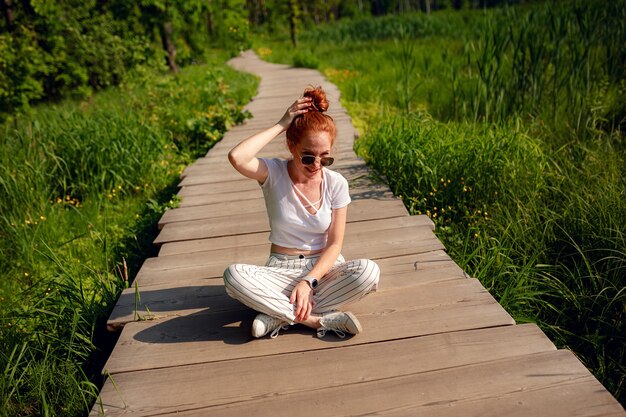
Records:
x=294, y=251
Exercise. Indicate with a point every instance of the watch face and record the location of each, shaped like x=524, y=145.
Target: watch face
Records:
x=313, y=283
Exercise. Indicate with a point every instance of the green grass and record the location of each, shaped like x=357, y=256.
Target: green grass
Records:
x=506, y=127
x=84, y=184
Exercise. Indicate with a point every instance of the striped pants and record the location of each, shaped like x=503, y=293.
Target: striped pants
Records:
x=267, y=288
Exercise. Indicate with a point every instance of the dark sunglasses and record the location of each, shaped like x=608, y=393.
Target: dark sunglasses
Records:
x=310, y=160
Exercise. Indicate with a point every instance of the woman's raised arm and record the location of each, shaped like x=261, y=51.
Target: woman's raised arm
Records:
x=243, y=157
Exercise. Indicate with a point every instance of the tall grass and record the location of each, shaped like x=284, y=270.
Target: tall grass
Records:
x=508, y=131
x=346, y=32
x=83, y=186
x=550, y=62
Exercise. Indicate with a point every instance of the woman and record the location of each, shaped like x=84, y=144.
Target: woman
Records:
x=305, y=279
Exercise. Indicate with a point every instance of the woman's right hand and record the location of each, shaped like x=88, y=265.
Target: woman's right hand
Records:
x=300, y=106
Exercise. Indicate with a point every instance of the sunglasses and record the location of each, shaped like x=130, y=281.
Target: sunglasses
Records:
x=310, y=160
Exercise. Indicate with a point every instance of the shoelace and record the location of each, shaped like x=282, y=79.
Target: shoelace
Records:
x=277, y=330
x=321, y=332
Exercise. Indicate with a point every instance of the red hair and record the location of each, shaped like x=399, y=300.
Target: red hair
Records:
x=312, y=121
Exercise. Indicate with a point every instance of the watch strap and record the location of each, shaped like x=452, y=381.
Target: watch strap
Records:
x=312, y=282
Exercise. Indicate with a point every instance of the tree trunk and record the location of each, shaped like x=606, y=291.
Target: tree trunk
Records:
x=293, y=21
x=252, y=12
x=168, y=45
x=209, y=19
x=257, y=13
x=263, y=18
x=7, y=7
x=427, y=3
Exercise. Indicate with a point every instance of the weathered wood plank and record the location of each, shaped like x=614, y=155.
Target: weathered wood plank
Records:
x=186, y=296
x=206, y=199
x=246, y=207
x=199, y=272
x=359, y=189
x=233, y=381
x=201, y=229
x=277, y=150
x=222, y=242
x=209, y=173
x=240, y=184
x=231, y=211
x=384, y=244
x=540, y=374
x=223, y=334
x=584, y=397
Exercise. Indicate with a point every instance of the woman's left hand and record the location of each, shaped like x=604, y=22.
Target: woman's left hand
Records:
x=302, y=297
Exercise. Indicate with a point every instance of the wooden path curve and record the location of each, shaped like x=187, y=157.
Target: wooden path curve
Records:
x=435, y=343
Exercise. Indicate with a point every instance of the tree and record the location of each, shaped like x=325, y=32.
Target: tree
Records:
x=293, y=21
x=209, y=21
x=168, y=44
x=9, y=17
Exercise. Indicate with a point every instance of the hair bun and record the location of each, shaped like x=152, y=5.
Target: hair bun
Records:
x=319, y=98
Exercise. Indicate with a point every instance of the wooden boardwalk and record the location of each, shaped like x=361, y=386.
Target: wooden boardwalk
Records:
x=435, y=343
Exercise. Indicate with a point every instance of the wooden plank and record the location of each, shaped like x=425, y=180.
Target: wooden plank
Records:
x=148, y=278
x=209, y=174
x=246, y=379
x=540, y=374
x=206, y=174
x=201, y=229
x=186, y=296
x=343, y=141
x=354, y=232
x=224, y=333
x=277, y=149
x=242, y=184
x=227, y=211
x=359, y=189
x=420, y=268
x=584, y=397
x=367, y=245
x=203, y=245
x=254, y=206
x=239, y=183
x=206, y=199
x=218, y=161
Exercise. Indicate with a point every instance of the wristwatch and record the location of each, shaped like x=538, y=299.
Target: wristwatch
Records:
x=312, y=282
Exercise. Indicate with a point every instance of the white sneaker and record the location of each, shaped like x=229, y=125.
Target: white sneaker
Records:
x=264, y=324
x=339, y=322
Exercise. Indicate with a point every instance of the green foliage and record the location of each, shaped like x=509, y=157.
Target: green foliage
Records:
x=60, y=49
x=84, y=184
x=19, y=67
x=305, y=59
x=69, y=49
x=474, y=168
x=233, y=28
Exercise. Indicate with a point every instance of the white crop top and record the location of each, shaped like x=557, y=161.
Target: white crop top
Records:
x=292, y=226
